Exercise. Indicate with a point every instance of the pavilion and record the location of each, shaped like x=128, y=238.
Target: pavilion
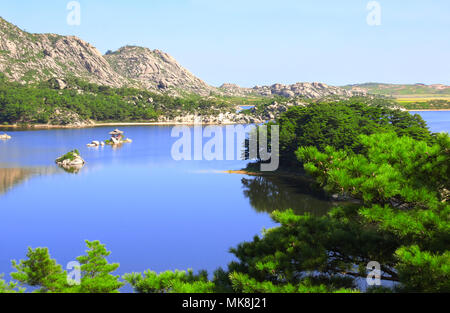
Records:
x=117, y=134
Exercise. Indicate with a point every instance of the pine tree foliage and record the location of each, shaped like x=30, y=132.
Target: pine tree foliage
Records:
x=403, y=185
x=44, y=274
x=242, y=283
x=10, y=287
x=40, y=271
x=170, y=282
x=96, y=271
x=339, y=124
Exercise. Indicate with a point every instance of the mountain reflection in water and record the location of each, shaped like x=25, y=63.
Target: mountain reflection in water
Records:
x=10, y=177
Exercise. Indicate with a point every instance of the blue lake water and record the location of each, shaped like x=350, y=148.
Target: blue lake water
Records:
x=438, y=121
x=151, y=211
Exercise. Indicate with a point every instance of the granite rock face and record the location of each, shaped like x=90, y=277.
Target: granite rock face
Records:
x=156, y=70
x=26, y=57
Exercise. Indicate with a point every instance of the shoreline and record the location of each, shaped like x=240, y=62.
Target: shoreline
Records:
x=428, y=110
x=243, y=172
x=46, y=126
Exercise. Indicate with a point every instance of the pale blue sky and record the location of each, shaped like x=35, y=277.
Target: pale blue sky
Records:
x=259, y=42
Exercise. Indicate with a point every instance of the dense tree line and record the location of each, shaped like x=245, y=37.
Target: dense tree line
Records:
x=339, y=124
x=38, y=103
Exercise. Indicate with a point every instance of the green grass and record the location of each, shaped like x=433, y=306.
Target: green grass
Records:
x=68, y=156
x=29, y=76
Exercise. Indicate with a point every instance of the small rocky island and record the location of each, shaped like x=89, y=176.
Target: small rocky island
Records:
x=71, y=161
x=117, y=138
x=4, y=136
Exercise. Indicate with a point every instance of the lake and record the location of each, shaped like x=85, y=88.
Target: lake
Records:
x=151, y=211
x=438, y=121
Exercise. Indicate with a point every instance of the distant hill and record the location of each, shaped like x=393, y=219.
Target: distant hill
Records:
x=307, y=90
x=401, y=90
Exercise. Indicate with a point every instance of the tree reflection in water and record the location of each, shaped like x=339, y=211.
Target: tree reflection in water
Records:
x=270, y=193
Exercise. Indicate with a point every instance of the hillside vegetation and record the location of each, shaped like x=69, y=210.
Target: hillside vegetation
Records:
x=81, y=103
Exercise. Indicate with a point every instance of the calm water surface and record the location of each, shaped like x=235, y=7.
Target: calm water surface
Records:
x=438, y=121
x=152, y=212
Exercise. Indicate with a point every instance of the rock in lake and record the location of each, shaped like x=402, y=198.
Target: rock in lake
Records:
x=95, y=143
x=117, y=138
x=5, y=136
x=71, y=161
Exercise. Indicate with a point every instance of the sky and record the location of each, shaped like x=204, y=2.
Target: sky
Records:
x=260, y=42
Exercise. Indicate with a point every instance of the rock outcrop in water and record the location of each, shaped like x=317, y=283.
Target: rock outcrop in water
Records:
x=96, y=143
x=117, y=138
x=71, y=161
x=5, y=137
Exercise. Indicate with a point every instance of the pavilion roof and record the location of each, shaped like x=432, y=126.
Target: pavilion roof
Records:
x=116, y=132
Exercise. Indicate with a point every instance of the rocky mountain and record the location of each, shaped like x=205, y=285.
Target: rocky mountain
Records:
x=306, y=90
x=26, y=57
x=155, y=69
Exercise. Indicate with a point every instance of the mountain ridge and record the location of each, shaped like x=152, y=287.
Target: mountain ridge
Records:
x=28, y=58
x=307, y=90
x=155, y=69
